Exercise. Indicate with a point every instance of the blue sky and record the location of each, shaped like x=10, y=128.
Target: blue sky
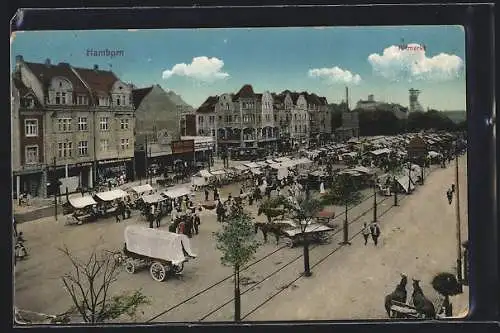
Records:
x=196, y=63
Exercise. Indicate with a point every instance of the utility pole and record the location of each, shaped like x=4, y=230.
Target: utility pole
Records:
x=56, y=185
x=375, y=199
x=459, y=236
x=146, y=156
x=150, y=173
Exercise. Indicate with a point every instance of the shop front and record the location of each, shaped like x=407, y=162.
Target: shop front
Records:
x=32, y=182
x=107, y=169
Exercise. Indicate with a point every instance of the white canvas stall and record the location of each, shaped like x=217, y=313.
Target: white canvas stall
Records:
x=177, y=192
x=303, y=160
x=158, y=244
x=198, y=181
x=81, y=202
x=309, y=229
x=282, y=159
x=205, y=173
x=262, y=163
x=363, y=169
x=381, y=151
x=404, y=181
x=112, y=195
x=252, y=165
x=142, y=189
x=153, y=198
x=240, y=167
x=350, y=154
x=282, y=173
x=218, y=172
x=433, y=154
x=275, y=166
x=256, y=171
x=270, y=162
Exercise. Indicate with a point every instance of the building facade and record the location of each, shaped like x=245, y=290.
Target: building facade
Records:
x=249, y=119
x=85, y=118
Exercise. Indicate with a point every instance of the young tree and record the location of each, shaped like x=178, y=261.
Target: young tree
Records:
x=303, y=210
x=89, y=283
x=395, y=169
x=344, y=192
x=238, y=245
x=272, y=208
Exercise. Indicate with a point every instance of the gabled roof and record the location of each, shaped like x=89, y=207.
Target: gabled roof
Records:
x=245, y=92
x=99, y=81
x=139, y=94
x=24, y=91
x=45, y=73
x=209, y=105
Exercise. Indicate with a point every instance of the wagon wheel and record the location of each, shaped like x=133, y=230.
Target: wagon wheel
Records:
x=177, y=269
x=158, y=271
x=130, y=267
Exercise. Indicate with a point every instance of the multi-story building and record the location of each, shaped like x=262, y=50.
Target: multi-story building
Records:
x=249, y=119
x=85, y=120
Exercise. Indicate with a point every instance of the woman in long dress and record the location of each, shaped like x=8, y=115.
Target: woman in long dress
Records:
x=322, y=188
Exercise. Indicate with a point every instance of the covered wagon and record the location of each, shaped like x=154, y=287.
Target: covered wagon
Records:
x=163, y=252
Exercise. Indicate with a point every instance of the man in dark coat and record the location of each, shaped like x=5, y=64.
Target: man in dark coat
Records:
x=197, y=222
x=375, y=231
x=206, y=194
x=449, y=195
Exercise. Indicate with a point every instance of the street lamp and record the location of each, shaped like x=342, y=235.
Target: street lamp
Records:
x=457, y=206
x=375, y=198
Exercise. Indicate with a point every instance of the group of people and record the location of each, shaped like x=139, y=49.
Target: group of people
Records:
x=373, y=230
x=187, y=224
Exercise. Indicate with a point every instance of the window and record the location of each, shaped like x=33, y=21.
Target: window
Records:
x=31, y=154
x=124, y=124
x=211, y=119
x=103, y=101
x=118, y=100
x=230, y=119
x=227, y=107
x=200, y=119
x=83, y=148
x=82, y=124
x=246, y=118
x=213, y=132
x=63, y=98
x=124, y=144
x=104, y=145
x=236, y=119
x=31, y=127
x=81, y=100
x=58, y=98
x=104, y=123
x=295, y=128
x=64, y=149
x=122, y=100
x=220, y=118
x=64, y=124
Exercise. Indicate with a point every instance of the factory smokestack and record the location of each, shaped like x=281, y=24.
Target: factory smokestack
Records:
x=347, y=97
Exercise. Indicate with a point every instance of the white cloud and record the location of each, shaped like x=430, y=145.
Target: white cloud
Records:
x=201, y=68
x=413, y=64
x=335, y=75
x=225, y=41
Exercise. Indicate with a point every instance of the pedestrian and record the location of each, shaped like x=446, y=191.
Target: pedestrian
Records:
x=453, y=188
x=215, y=193
x=151, y=216
x=197, y=222
x=14, y=222
x=117, y=213
x=366, y=232
x=375, y=232
x=449, y=195
x=158, y=218
x=206, y=194
x=121, y=205
x=181, y=227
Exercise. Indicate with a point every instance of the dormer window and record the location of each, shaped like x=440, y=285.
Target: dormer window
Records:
x=81, y=100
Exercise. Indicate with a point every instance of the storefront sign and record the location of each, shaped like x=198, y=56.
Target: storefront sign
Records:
x=115, y=161
x=184, y=146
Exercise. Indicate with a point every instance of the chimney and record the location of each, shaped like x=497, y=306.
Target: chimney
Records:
x=47, y=62
x=347, y=97
x=96, y=67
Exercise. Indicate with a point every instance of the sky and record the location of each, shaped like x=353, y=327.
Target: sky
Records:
x=197, y=63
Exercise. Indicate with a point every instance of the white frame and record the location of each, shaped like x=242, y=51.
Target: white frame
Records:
x=30, y=135
x=83, y=125
x=26, y=160
x=124, y=144
x=102, y=145
x=82, y=147
x=124, y=124
x=65, y=149
x=62, y=122
x=104, y=123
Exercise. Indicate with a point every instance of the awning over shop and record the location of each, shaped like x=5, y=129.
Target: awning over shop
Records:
x=142, y=188
x=112, y=195
x=81, y=202
x=177, y=192
x=153, y=198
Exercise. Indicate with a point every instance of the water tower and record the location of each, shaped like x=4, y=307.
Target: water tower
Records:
x=414, y=103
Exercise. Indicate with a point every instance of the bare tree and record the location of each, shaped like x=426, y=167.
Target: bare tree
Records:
x=89, y=284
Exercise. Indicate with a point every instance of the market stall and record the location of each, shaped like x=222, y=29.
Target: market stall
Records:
x=83, y=209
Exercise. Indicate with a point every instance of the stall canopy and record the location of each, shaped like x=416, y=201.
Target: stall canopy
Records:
x=256, y=171
x=81, y=202
x=282, y=159
x=270, y=162
x=153, y=198
x=406, y=184
x=240, y=167
x=433, y=154
x=112, y=195
x=142, y=188
x=276, y=166
x=205, y=174
x=252, y=165
x=303, y=161
x=218, y=172
x=363, y=169
x=177, y=192
x=351, y=154
x=380, y=151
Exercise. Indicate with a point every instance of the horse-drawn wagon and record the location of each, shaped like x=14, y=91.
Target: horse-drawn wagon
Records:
x=163, y=252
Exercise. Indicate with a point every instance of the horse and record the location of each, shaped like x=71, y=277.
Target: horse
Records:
x=421, y=303
x=399, y=294
x=265, y=227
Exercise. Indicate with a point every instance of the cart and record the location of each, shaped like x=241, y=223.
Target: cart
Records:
x=314, y=232
x=163, y=252
x=82, y=210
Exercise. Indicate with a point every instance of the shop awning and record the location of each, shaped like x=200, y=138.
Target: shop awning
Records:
x=177, y=192
x=142, y=188
x=81, y=202
x=153, y=198
x=112, y=195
